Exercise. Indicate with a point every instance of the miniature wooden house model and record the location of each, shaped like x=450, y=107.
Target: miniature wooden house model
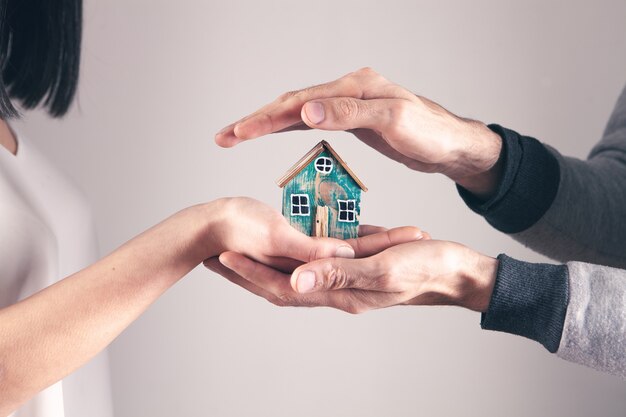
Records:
x=321, y=195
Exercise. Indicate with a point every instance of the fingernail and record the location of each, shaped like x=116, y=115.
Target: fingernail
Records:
x=305, y=282
x=314, y=112
x=344, y=252
x=224, y=261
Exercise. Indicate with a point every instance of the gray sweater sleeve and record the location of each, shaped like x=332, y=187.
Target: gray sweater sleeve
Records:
x=586, y=220
x=594, y=332
x=577, y=218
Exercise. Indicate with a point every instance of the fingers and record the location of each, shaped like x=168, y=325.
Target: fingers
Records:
x=286, y=265
x=216, y=266
x=267, y=282
x=284, y=113
x=338, y=274
x=274, y=286
x=298, y=126
x=368, y=229
x=296, y=245
x=270, y=280
x=227, y=137
x=371, y=244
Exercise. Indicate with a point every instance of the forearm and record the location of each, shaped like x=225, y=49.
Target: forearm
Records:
x=50, y=334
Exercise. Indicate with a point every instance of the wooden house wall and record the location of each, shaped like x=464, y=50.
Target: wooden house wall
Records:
x=324, y=190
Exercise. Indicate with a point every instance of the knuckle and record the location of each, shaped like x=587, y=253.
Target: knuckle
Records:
x=305, y=300
x=407, y=234
x=284, y=299
x=346, y=108
x=287, y=95
x=354, y=309
x=276, y=301
x=366, y=71
x=400, y=115
x=313, y=253
x=336, y=278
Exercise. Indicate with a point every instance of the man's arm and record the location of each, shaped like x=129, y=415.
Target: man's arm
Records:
x=565, y=208
x=577, y=311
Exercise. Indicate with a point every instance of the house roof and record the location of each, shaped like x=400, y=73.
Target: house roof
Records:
x=309, y=156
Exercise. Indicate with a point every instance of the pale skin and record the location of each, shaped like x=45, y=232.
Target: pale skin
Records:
x=406, y=128
x=47, y=336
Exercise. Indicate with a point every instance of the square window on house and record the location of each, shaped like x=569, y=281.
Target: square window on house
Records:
x=347, y=211
x=300, y=205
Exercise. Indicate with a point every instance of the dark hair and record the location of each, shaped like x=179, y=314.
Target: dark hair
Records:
x=39, y=54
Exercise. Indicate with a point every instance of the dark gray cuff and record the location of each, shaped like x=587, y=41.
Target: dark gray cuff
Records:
x=529, y=300
x=528, y=186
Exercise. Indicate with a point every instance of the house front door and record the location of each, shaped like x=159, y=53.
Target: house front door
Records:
x=321, y=221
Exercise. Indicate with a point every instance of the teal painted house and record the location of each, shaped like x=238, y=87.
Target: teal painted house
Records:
x=321, y=195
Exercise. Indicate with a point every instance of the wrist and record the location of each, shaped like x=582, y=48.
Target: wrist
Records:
x=477, y=277
x=201, y=223
x=479, y=163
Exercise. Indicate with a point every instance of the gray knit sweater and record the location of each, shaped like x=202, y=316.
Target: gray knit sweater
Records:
x=575, y=212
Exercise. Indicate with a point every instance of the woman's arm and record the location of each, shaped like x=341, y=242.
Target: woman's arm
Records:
x=50, y=334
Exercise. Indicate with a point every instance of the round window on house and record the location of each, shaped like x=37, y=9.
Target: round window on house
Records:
x=323, y=165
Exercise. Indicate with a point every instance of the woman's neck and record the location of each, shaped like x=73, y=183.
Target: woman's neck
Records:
x=7, y=139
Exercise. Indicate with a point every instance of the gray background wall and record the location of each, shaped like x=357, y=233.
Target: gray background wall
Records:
x=160, y=77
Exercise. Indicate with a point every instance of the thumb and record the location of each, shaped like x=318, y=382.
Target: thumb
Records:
x=296, y=245
x=344, y=113
x=337, y=274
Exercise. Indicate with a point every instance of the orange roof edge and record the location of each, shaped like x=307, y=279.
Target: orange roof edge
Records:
x=308, y=157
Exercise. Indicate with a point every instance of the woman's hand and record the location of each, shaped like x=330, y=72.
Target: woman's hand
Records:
x=407, y=128
x=425, y=272
x=260, y=232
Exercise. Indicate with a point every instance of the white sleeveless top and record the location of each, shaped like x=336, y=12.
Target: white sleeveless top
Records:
x=46, y=233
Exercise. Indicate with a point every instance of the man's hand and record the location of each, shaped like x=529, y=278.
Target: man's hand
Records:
x=407, y=128
x=424, y=272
